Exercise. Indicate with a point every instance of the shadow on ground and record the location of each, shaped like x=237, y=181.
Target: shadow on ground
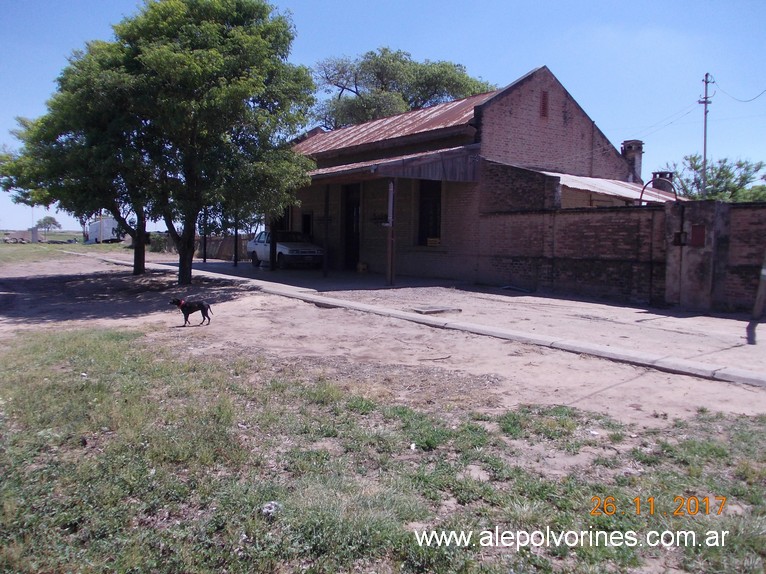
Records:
x=334, y=281
x=103, y=295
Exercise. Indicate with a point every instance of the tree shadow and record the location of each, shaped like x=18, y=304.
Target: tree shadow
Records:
x=103, y=295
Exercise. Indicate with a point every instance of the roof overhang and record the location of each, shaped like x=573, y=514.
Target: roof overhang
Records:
x=452, y=164
x=613, y=187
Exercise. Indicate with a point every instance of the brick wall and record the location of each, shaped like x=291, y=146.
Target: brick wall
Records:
x=746, y=248
x=617, y=253
x=505, y=188
x=222, y=248
x=566, y=140
x=620, y=253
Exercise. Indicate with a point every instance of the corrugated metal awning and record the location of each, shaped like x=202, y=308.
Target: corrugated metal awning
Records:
x=612, y=187
x=452, y=164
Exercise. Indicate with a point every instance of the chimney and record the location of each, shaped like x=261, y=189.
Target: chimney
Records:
x=663, y=180
x=632, y=150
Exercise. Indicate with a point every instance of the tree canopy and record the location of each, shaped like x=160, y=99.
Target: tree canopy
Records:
x=387, y=82
x=47, y=223
x=726, y=180
x=89, y=151
x=192, y=105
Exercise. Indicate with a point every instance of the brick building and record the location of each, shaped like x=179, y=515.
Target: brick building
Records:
x=424, y=193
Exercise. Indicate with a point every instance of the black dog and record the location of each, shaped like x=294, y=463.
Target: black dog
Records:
x=189, y=307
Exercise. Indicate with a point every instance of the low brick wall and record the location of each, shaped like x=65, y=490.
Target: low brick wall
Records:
x=222, y=248
x=700, y=255
x=618, y=253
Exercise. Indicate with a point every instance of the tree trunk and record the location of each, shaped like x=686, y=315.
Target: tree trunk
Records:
x=185, y=257
x=273, y=245
x=138, y=235
x=139, y=254
x=184, y=243
x=139, y=245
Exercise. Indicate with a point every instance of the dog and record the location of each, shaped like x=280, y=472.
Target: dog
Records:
x=189, y=307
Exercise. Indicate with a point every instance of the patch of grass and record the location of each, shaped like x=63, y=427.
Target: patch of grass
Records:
x=32, y=252
x=513, y=424
x=470, y=438
x=117, y=457
x=560, y=425
x=423, y=431
x=616, y=437
x=302, y=462
x=322, y=393
x=361, y=405
x=751, y=473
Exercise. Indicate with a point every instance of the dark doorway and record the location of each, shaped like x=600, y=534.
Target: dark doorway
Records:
x=351, y=235
x=281, y=223
x=307, y=225
x=430, y=212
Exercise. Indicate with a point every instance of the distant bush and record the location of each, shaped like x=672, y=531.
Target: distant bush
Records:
x=161, y=243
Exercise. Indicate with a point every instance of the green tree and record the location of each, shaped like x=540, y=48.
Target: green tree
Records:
x=726, y=180
x=754, y=193
x=386, y=82
x=193, y=105
x=219, y=102
x=89, y=151
x=47, y=223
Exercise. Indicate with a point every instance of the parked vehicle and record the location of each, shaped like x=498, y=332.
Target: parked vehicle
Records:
x=104, y=230
x=293, y=249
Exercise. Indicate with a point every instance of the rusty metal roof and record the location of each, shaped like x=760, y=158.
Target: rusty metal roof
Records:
x=613, y=187
x=403, y=165
x=432, y=119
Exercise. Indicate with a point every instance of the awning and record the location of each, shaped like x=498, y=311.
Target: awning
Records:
x=612, y=187
x=452, y=164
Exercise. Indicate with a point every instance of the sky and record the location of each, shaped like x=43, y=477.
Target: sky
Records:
x=635, y=67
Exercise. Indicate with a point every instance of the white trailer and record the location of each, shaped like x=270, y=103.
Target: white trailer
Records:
x=103, y=230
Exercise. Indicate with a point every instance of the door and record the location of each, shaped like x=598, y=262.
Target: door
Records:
x=351, y=225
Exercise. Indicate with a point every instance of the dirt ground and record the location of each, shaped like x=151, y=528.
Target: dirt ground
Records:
x=380, y=356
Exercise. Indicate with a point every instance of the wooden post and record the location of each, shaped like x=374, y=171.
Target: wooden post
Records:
x=391, y=242
x=204, y=239
x=325, y=262
x=236, y=237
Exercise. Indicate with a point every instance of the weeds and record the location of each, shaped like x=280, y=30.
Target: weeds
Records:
x=116, y=457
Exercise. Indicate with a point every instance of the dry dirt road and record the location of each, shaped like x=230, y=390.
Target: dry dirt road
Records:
x=436, y=368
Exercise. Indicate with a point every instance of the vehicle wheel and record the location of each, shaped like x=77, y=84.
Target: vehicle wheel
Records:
x=281, y=264
x=254, y=259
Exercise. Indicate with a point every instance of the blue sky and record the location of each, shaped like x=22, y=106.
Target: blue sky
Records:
x=636, y=67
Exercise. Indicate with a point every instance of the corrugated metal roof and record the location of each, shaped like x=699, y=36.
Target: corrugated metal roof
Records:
x=398, y=165
x=434, y=118
x=612, y=187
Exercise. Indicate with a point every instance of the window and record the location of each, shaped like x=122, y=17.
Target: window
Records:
x=429, y=212
x=544, y=104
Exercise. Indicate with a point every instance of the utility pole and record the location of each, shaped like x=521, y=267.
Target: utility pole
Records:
x=706, y=102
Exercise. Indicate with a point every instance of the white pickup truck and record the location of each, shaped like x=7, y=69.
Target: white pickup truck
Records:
x=293, y=250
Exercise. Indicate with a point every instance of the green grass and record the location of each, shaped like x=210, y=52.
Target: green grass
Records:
x=31, y=252
x=117, y=456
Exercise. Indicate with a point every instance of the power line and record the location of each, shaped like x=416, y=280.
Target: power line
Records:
x=649, y=131
x=717, y=83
